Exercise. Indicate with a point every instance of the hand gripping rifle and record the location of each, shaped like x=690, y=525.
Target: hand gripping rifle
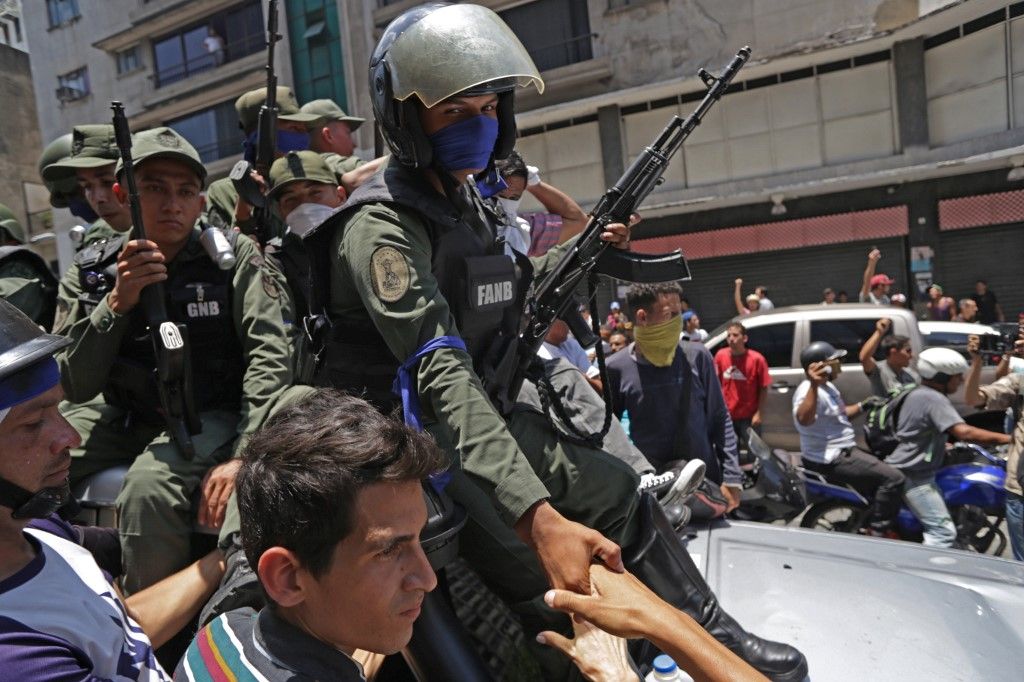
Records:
x=589, y=256
x=170, y=340
x=266, y=144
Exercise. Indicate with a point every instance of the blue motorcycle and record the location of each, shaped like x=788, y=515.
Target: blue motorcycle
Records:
x=972, y=486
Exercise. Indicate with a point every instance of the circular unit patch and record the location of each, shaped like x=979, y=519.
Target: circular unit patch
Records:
x=390, y=274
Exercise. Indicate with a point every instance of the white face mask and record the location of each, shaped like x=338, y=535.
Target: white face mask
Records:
x=305, y=217
x=510, y=207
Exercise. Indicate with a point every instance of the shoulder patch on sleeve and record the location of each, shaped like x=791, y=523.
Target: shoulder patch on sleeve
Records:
x=390, y=274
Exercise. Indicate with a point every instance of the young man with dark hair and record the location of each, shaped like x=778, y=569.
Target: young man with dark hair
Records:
x=657, y=364
x=989, y=310
x=743, y=374
x=894, y=370
x=331, y=510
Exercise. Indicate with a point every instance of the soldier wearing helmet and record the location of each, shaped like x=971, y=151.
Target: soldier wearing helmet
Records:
x=26, y=280
x=926, y=421
x=417, y=283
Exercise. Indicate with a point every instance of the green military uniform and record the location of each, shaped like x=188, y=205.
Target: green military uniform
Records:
x=384, y=277
x=25, y=279
x=155, y=503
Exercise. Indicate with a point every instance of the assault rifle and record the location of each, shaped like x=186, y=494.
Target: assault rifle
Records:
x=589, y=256
x=170, y=340
x=266, y=143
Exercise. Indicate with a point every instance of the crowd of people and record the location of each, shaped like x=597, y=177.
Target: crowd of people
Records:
x=217, y=357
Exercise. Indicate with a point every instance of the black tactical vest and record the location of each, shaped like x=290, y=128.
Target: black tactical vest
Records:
x=484, y=288
x=200, y=296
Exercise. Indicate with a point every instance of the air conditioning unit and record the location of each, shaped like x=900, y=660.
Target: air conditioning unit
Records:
x=69, y=94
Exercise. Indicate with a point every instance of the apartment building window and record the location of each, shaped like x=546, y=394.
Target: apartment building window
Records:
x=128, y=60
x=213, y=132
x=73, y=86
x=554, y=32
x=218, y=39
x=62, y=12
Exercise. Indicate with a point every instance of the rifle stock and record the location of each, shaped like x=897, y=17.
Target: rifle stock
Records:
x=170, y=340
x=590, y=256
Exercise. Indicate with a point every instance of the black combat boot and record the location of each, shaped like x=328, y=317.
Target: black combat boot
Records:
x=661, y=562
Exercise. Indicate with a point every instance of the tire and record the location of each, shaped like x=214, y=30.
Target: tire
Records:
x=491, y=624
x=834, y=515
x=978, y=532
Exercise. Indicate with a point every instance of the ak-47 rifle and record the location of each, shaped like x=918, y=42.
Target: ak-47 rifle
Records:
x=590, y=256
x=266, y=143
x=170, y=340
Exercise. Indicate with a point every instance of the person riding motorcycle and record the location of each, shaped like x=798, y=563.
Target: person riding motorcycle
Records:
x=828, y=443
x=926, y=420
x=417, y=283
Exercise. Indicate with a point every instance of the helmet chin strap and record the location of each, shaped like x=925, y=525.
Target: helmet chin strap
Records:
x=37, y=505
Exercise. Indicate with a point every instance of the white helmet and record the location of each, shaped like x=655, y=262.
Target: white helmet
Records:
x=940, y=364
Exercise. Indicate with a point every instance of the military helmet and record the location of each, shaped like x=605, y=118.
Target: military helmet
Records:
x=9, y=223
x=22, y=342
x=62, y=188
x=438, y=50
x=820, y=351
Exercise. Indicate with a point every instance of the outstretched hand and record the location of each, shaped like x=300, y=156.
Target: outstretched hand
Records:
x=599, y=655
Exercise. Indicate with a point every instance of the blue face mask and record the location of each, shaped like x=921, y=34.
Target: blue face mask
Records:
x=467, y=144
x=80, y=208
x=287, y=141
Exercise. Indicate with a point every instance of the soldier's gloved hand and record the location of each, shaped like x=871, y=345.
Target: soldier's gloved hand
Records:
x=566, y=548
x=140, y=264
x=217, y=486
x=617, y=234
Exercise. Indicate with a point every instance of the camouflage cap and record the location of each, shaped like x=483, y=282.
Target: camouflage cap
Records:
x=9, y=223
x=328, y=110
x=164, y=143
x=304, y=166
x=92, y=146
x=248, y=107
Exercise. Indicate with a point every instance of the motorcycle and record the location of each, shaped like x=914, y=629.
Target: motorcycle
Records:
x=972, y=485
x=773, y=484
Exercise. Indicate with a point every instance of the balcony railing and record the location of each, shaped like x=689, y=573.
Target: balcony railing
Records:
x=210, y=60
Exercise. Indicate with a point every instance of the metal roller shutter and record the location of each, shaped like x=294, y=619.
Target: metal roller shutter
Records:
x=995, y=254
x=792, y=276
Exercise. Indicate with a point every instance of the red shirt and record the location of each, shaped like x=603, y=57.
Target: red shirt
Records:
x=742, y=377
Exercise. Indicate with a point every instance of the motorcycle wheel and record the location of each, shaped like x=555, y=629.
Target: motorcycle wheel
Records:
x=836, y=516
x=978, y=532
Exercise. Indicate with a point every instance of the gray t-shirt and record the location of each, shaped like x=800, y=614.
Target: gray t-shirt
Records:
x=885, y=378
x=924, y=418
x=871, y=298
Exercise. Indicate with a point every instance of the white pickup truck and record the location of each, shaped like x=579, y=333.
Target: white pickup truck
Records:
x=782, y=333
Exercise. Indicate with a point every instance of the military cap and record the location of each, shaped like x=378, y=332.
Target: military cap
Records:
x=248, y=107
x=164, y=143
x=9, y=223
x=92, y=146
x=304, y=166
x=66, y=187
x=328, y=110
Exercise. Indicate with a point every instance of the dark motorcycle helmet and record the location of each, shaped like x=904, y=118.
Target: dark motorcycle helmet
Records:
x=820, y=351
x=439, y=50
x=23, y=345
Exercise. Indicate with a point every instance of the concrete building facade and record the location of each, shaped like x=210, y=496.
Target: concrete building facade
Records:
x=857, y=121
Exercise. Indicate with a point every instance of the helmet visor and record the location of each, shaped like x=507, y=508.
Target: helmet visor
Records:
x=458, y=48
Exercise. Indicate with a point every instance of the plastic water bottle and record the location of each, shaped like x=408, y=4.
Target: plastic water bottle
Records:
x=666, y=670
x=624, y=420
